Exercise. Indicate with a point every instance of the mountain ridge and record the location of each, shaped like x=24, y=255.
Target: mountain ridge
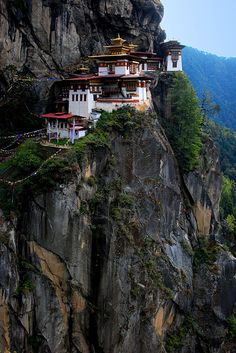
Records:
x=209, y=72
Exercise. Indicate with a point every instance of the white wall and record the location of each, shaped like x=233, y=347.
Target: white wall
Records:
x=102, y=71
x=78, y=134
x=170, y=64
x=122, y=70
x=81, y=108
x=62, y=133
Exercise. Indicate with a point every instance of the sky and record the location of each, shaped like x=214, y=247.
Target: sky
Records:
x=208, y=25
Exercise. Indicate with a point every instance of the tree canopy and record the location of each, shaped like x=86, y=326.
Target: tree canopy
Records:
x=184, y=128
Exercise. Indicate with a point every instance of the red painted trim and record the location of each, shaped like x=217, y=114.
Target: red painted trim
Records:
x=56, y=116
x=118, y=100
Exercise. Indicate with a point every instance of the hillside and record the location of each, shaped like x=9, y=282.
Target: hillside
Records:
x=217, y=75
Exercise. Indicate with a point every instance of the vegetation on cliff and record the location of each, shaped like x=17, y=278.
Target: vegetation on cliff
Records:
x=225, y=139
x=184, y=127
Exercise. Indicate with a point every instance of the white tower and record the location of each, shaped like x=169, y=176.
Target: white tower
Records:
x=172, y=56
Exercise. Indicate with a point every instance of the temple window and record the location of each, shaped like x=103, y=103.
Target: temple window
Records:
x=85, y=97
x=131, y=86
x=73, y=97
x=81, y=98
x=111, y=69
x=175, y=64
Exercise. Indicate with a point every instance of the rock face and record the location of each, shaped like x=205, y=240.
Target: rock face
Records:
x=46, y=36
x=110, y=261
x=125, y=257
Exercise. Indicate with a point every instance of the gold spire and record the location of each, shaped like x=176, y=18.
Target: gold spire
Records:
x=82, y=70
x=118, y=40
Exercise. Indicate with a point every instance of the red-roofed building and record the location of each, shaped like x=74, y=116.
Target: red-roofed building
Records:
x=122, y=79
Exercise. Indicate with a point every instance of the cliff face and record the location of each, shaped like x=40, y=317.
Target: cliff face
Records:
x=46, y=36
x=110, y=261
x=125, y=257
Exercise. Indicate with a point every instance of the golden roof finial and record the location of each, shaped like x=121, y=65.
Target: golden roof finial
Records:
x=118, y=40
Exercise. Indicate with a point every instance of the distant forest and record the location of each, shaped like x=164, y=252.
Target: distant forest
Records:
x=218, y=76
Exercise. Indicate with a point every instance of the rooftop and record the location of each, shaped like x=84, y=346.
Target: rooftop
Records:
x=58, y=115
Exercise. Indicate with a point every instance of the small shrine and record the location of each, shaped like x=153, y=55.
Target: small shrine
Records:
x=123, y=78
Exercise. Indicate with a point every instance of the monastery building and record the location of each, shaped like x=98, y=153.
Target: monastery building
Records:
x=123, y=78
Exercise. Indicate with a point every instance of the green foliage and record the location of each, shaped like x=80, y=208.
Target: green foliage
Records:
x=121, y=120
x=25, y=286
x=126, y=200
x=98, y=198
x=227, y=195
x=231, y=223
x=184, y=127
x=28, y=157
x=232, y=327
x=84, y=208
x=225, y=139
x=96, y=139
x=208, y=107
x=91, y=181
x=6, y=202
x=175, y=340
x=206, y=253
x=116, y=213
x=228, y=205
x=4, y=238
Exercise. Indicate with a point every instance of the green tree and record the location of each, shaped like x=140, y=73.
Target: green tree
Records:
x=184, y=128
x=231, y=223
x=28, y=157
x=227, y=198
x=208, y=107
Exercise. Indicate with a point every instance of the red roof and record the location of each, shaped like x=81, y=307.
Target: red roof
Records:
x=83, y=78
x=57, y=115
x=110, y=76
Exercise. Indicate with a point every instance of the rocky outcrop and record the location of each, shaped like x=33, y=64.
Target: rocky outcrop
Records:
x=44, y=37
x=111, y=262
x=204, y=185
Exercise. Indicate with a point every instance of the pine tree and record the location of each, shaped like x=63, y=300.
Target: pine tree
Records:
x=185, y=126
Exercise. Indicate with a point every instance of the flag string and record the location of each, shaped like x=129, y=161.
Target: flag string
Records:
x=19, y=181
x=26, y=134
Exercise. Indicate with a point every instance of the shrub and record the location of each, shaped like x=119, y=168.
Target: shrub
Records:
x=232, y=327
x=205, y=253
x=126, y=200
x=96, y=139
x=175, y=340
x=120, y=120
x=4, y=238
x=84, y=208
x=28, y=157
x=116, y=213
x=25, y=286
x=91, y=181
